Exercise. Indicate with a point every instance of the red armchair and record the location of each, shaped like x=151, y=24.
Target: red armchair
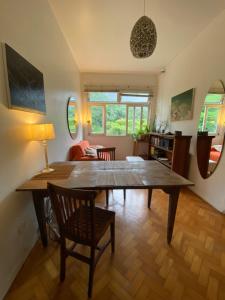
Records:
x=78, y=152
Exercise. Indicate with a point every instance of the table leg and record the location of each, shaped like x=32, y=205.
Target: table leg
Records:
x=38, y=199
x=124, y=194
x=149, y=198
x=107, y=197
x=173, y=200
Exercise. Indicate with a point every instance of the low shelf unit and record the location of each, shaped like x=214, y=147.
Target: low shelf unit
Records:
x=170, y=150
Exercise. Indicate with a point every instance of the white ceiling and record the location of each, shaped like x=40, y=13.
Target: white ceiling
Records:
x=98, y=31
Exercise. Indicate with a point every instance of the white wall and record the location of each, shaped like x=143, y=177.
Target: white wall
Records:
x=198, y=66
x=124, y=145
x=31, y=29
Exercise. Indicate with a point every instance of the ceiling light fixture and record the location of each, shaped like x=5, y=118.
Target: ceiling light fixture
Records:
x=143, y=37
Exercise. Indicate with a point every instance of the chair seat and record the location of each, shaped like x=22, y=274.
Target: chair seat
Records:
x=82, y=234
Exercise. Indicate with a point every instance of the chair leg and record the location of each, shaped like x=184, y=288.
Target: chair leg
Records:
x=91, y=272
x=107, y=197
x=62, y=260
x=112, y=231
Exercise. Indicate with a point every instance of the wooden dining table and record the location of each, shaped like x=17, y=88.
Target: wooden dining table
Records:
x=107, y=175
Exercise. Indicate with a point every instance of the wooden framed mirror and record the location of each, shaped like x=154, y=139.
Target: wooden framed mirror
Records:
x=72, y=117
x=211, y=129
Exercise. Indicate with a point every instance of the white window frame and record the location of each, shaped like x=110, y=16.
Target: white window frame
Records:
x=119, y=102
x=135, y=105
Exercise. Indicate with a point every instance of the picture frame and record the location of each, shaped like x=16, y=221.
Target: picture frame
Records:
x=24, y=83
x=182, y=106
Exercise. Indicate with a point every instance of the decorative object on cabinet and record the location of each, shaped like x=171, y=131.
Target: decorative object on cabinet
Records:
x=182, y=106
x=72, y=117
x=170, y=150
x=211, y=129
x=25, y=83
x=143, y=37
x=43, y=133
x=142, y=134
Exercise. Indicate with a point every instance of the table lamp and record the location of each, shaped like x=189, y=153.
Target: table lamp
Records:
x=43, y=133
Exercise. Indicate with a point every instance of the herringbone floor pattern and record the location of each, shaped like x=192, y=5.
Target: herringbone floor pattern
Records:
x=144, y=266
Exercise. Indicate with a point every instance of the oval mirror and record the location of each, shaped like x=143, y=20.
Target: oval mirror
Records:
x=211, y=128
x=72, y=117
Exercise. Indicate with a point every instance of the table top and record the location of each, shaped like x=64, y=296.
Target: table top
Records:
x=107, y=175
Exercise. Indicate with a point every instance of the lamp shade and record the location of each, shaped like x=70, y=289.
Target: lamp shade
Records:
x=42, y=132
x=143, y=38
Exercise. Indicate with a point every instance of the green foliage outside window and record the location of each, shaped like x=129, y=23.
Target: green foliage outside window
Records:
x=212, y=117
x=201, y=120
x=72, y=118
x=214, y=98
x=115, y=119
x=97, y=119
x=209, y=119
x=102, y=96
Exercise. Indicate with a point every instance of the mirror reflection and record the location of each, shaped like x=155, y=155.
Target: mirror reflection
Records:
x=211, y=129
x=72, y=117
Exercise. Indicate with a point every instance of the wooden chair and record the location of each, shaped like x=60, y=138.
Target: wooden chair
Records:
x=108, y=154
x=83, y=223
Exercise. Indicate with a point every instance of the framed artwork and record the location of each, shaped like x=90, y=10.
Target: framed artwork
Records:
x=25, y=83
x=182, y=106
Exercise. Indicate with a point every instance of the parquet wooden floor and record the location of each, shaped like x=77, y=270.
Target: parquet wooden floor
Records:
x=144, y=266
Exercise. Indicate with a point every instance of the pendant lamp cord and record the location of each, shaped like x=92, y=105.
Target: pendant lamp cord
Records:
x=144, y=7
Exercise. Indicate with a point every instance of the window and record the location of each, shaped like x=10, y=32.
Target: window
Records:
x=209, y=119
x=115, y=119
x=97, y=120
x=134, y=97
x=118, y=114
x=214, y=99
x=102, y=96
x=210, y=113
x=137, y=118
x=72, y=117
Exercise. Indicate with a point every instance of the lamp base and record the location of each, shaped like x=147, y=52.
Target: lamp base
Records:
x=47, y=170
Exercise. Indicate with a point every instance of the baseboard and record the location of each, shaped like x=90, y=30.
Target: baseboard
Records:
x=204, y=200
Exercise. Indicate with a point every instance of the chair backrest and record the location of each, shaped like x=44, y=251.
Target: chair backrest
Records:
x=106, y=153
x=74, y=210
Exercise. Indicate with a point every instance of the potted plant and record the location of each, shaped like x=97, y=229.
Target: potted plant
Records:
x=142, y=134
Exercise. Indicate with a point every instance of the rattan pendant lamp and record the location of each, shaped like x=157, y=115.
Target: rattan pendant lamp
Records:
x=143, y=37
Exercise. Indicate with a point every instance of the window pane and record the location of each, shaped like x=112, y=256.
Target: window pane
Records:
x=137, y=118
x=212, y=117
x=115, y=119
x=130, y=120
x=134, y=98
x=97, y=120
x=201, y=120
x=144, y=117
x=102, y=96
x=214, y=98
